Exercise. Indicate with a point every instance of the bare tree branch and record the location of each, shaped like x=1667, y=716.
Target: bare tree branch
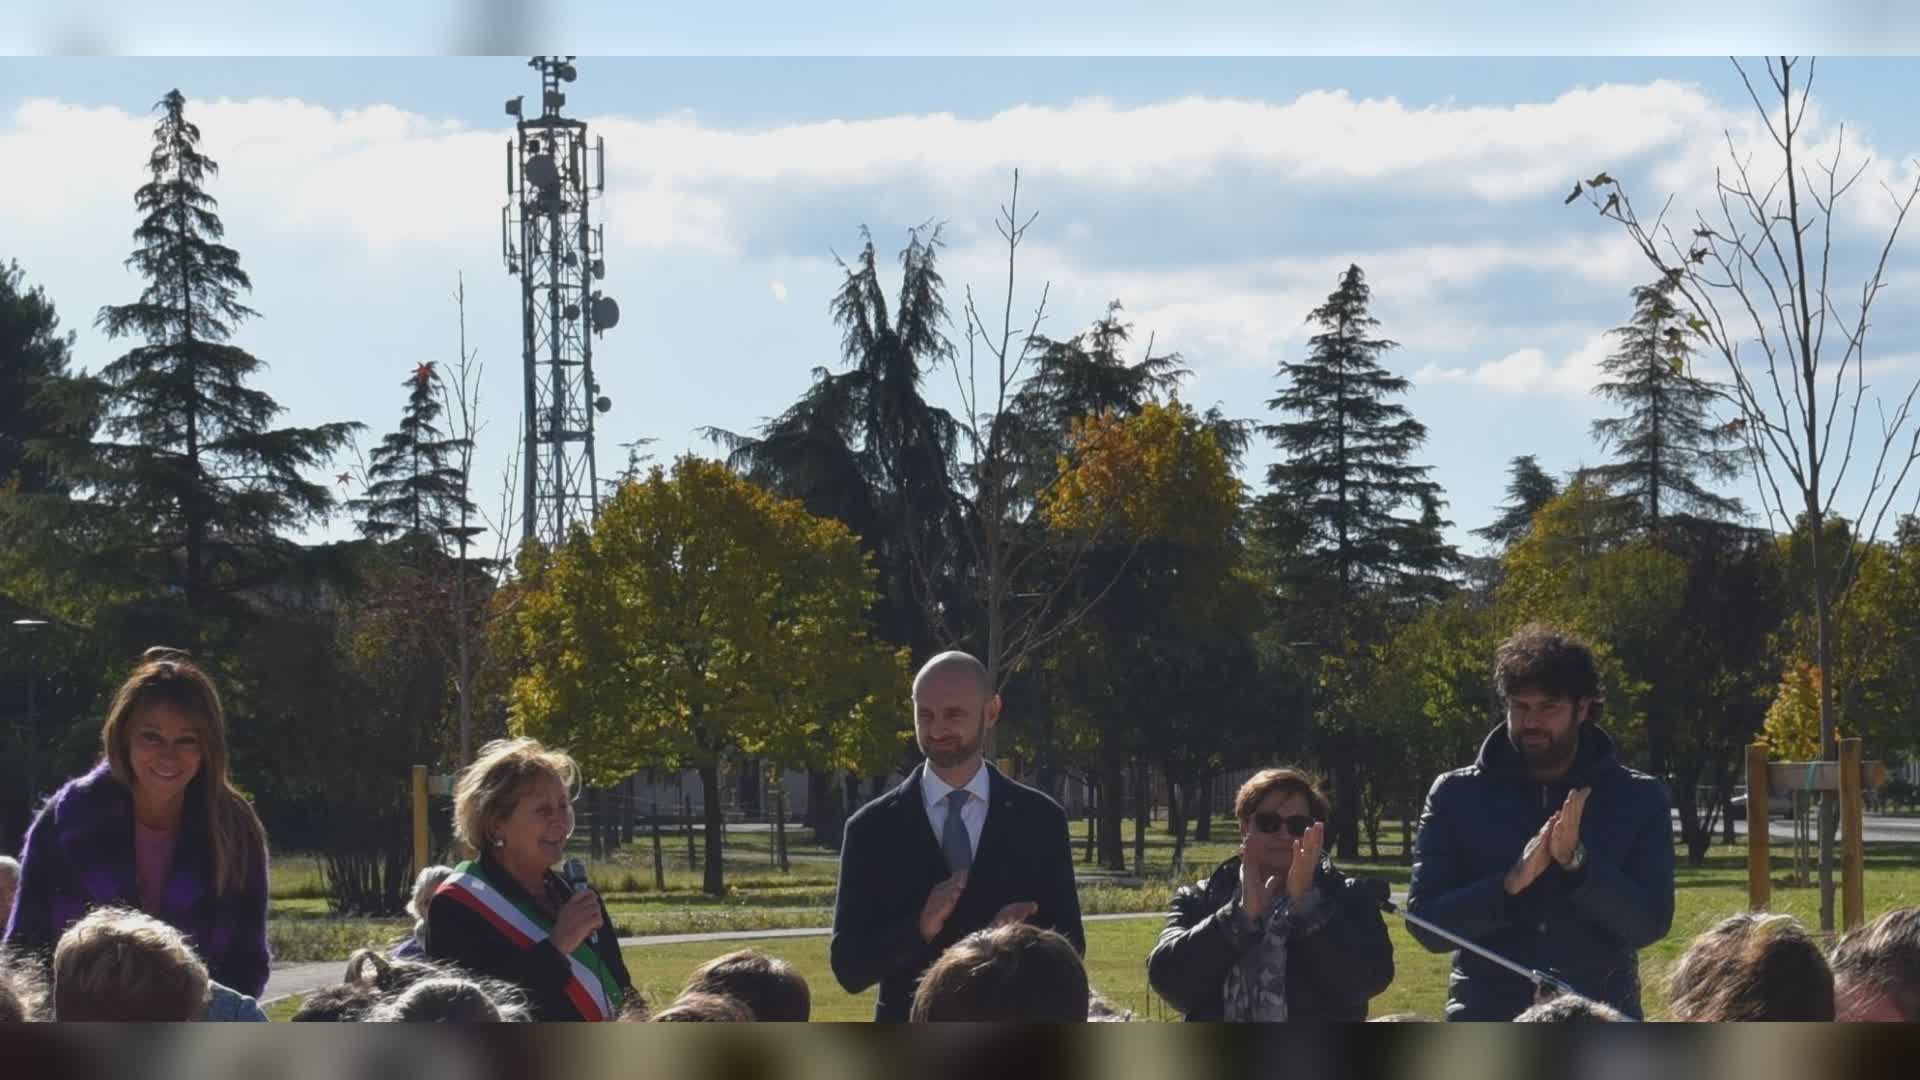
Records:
x=1772, y=282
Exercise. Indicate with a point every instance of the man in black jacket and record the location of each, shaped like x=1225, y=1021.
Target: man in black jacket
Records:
x=1276, y=933
x=957, y=848
x=1547, y=850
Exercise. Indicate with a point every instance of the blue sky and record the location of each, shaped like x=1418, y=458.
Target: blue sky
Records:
x=1218, y=199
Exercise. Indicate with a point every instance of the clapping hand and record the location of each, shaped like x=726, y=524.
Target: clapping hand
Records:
x=1566, y=834
x=1534, y=859
x=1306, y=860
x=940, y=904
x=1017, y=912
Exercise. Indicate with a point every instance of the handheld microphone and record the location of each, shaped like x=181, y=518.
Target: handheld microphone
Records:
x=575, y=872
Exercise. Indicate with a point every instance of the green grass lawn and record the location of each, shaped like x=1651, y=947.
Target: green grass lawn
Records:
x=1117, y=950
x=762, y=898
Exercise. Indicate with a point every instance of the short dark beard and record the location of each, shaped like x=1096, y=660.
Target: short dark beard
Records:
x=968, y=750
x=1555, y=759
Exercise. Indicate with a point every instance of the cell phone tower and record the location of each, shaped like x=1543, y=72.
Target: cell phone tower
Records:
x=549, y=241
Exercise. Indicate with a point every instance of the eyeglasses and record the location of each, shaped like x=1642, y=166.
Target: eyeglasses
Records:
x=1297, y=824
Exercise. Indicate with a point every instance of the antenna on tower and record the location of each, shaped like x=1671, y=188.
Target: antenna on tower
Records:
x=548, y=240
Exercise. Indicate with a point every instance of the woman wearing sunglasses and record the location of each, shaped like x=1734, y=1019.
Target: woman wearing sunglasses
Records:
x=1276, y=933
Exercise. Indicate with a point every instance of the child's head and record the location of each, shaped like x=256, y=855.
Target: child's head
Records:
x=371, y=980
x=765, y=984
x=450, y=1000
x=121, y=965
x=1754, y=968
x=23, y=991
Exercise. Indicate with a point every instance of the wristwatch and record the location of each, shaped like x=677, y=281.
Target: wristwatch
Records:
x=1579, y=859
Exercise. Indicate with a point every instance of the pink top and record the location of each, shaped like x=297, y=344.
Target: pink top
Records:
x=152, y=862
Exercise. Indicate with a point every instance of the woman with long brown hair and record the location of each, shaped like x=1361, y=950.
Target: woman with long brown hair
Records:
x=158, y=826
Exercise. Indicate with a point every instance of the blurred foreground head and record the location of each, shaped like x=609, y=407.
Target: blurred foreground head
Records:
x=124, y=966
x=1876, y=970
x=1017, y=974
x=768, y=985
x=1752, y=967
x=1571, y=1009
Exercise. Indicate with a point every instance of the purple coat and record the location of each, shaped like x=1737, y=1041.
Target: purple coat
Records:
x=79, y=855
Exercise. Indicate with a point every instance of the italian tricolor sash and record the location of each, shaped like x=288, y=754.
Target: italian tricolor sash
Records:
x=591, y=989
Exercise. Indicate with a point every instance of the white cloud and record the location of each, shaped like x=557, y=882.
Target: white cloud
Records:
x=1245, y=312
x=394, y=177
x=1321, y=138
x=1530, y=371
x=1740, y=151
x=402, y=186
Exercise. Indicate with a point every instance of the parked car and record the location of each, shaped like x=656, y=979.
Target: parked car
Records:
x=1779, y=803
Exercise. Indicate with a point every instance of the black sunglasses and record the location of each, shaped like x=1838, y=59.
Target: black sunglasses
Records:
x=1297, y=824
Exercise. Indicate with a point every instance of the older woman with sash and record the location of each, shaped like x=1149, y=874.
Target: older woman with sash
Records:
x=506, y=915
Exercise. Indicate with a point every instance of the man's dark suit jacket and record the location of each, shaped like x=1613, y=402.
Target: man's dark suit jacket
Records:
x=890, y=861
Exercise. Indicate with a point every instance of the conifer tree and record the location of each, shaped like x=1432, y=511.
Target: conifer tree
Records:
x=1528, y=489
x=1667, y=443
x=1355, y=522
x=1348, y=474
x=194, y=469
x=413, y=484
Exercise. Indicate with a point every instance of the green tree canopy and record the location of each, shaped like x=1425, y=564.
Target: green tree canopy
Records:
x=705, y=620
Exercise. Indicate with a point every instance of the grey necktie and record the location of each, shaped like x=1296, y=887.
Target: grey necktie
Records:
x=953, y=837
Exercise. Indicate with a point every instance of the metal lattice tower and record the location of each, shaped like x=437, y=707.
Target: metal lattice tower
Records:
x=548, y=240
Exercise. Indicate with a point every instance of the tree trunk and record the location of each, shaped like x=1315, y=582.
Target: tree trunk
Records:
x=1829, y=746
x=819, y=783
x=464, y=649
x=1346, y=796
x=1093, y=818
x=714, y=882
x=659, y=856
x=191, y=502
x=1181, y=801
x=596, y=825
x=778, y=800
x=1112, y=780
x=1722, y=790
x=751, y=803
x=1406, y=839
x=1696, y=831
x=625, y=815
x=1203, y=821
x=1692, y=835
x=686, y=828
x=1142, y=813
x=831, y=816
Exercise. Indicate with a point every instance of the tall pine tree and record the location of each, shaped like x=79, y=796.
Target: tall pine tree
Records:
x=1347, y=477
x=205, y=484
x=1528, y=489
x=1356, y=522
x=414, y=488
x=1667, y=444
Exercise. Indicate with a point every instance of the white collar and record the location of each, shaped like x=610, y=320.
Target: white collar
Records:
x=934, y=789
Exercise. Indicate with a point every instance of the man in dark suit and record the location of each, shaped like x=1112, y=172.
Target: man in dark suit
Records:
x=957, y=848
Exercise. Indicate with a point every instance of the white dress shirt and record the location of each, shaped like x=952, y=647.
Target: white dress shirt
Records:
x=973, y=813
